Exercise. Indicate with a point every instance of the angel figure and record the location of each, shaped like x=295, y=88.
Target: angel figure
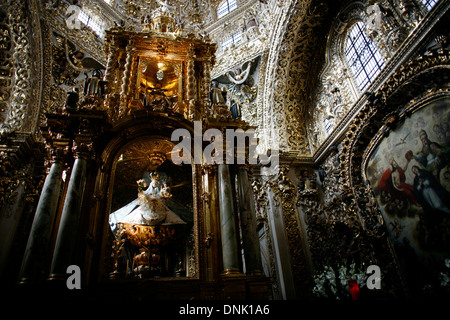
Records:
x=239, y=76
x=165, y=191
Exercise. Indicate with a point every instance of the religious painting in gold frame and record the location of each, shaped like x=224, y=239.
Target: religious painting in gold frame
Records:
x=409, y=170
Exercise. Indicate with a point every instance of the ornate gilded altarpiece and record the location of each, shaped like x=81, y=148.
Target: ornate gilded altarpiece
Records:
x=151, y=219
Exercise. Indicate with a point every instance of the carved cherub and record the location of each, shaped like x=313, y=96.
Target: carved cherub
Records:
x=239, y=76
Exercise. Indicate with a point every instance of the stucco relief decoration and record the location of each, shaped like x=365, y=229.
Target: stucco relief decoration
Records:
x=16, y=48
x=6, y=64
x=192, y=11
x=385, y=26
x=57, y=16
x=336, y=91
x=292, y=69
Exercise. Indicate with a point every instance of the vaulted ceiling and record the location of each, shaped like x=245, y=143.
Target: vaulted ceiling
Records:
x=295, y=48
x=292, y=51
x=192, y=12
x=295, y=61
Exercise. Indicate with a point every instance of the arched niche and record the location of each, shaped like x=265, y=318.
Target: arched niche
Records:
x=159, y=80
x=140, y=147
x=151, y=212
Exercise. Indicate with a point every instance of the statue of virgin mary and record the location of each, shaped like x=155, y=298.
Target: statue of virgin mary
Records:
x=149, y=209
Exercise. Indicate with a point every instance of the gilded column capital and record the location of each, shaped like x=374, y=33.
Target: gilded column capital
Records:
x=83, y=150
x=57, y=141
x=57, y=153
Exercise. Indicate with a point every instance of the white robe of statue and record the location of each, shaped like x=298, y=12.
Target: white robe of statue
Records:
x=148, y=209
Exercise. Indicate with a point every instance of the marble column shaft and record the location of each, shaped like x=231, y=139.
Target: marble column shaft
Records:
x=252, y=250
x=36, y=252
x=70, y=219
x=230, y=254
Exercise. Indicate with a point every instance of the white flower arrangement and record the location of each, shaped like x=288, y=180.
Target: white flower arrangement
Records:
x=335, y=282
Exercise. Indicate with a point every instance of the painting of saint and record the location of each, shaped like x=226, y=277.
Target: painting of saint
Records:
x=409, y=172
x=393, y=182
x=431, y=195
x=433, y=157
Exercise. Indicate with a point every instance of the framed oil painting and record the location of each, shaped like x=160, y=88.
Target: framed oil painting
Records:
x=410, y=175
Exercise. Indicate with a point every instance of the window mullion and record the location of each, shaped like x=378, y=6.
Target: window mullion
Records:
x=361, y=50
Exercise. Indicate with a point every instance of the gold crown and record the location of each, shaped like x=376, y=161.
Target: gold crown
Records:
x=154, y=175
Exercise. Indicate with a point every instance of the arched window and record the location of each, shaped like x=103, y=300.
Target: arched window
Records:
x=363, y=56
x=225, y=8
x=429, y=3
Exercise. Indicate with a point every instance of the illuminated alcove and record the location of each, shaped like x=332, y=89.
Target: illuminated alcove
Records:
x=150, y=214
